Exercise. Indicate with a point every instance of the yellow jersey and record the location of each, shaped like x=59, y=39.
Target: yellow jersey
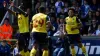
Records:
x=39, y=23
x=25, y=53
x=23, y=23
x=71, y=22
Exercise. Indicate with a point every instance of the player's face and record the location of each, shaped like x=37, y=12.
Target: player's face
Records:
x=71, y=13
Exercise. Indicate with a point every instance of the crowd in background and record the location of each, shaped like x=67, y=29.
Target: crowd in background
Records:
x=88, y=11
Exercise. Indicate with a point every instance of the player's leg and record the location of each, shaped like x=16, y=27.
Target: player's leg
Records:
x=44, y=42
x=45, y=51
x=83, y=48
x=34, y=49
x=73, y=50
x=21, y=42
x=35, y=45
x=27, y=37
x=72, y=40
x=78, y=39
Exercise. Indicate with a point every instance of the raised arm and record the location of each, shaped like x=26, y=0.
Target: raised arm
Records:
x=17, y=8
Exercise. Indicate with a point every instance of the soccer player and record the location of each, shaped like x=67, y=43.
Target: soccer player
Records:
x=73, y=24
x=23, y=24
x=39, y=32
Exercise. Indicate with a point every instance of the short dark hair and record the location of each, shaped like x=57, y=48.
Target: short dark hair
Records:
x=42, y=9
x=7, y=19
x=71, y=9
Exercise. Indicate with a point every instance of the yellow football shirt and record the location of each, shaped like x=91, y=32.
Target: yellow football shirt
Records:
x=71, y=22
x=39, y=23
x=25, y=53
x=23, y=23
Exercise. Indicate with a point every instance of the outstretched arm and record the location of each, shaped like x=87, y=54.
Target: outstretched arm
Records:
x=19, y=9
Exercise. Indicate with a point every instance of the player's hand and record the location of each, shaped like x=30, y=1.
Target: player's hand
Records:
x=4, y=4
x=12, y=4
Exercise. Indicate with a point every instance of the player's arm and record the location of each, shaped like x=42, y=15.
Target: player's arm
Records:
x=19, y=9
x=10, y=11
x=79, y=23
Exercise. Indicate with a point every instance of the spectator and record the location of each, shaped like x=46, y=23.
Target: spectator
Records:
x=94, y=14
x=16, y=51
x=59, y=4
x=86, y=23
x=59, y=51
x=94, y=5
x=4, y=49
x=50, y=3
x=77, y=10
x=47, y=11
x=61, y=15
x=98, y=16
x=66, y=9
x=59, y=31
x=85, y=9
x=98, y=31
x=7, y=30
x=98, y=9
x=74, y=5
x=89, y=17
x=54, y=23
x=92, y=28
x=37, y=6
x=61, y=21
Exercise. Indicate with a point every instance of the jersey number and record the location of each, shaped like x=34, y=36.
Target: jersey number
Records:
x=37, y=23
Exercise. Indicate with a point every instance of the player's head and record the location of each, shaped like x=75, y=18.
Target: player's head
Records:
x=71, y=12
x=41, y=9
